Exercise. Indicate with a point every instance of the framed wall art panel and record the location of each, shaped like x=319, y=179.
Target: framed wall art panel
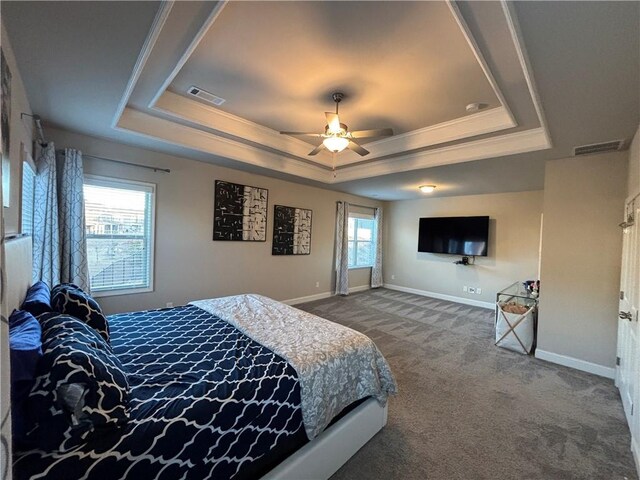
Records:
x=239, y=212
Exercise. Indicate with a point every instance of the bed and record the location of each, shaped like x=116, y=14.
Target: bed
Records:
x=220, y=390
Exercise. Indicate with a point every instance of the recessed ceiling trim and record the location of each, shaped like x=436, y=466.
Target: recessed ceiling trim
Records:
x=154, y=32
x=509, y=144
x=170, y=132
x=210, y=117
x=213, y=16
x=488, y=121
x=462, y=24
x=182, y=135
x=525, y=64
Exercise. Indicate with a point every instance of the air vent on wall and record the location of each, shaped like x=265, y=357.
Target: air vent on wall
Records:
x=206, y=96
x=598, y=148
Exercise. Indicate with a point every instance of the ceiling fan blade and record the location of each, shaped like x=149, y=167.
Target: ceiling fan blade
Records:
x=302, y=134
x=357, y=148
x=333, y=121
x=316, y=150
x=380, y=132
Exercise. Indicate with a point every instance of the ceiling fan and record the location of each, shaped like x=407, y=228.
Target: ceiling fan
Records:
x=337, y=137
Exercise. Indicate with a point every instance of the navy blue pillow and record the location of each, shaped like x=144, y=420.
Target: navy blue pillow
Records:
x=38, y=299
x=70, y=299
x=80, y=389
x=25, y=351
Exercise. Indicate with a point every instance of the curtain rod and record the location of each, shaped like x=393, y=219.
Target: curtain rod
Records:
x=38, y=121
x=131, y=164
x=356, y=205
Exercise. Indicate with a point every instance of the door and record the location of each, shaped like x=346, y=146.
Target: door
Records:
x=627, y=370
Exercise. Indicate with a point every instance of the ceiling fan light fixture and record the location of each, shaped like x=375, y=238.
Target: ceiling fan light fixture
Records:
x=336, y=144
x=427, y=188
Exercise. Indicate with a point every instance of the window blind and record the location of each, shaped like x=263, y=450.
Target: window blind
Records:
x=119, y=228
x=28, y=195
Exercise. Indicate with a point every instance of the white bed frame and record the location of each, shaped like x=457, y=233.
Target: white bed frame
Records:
x=317, y=460
x=324, y=455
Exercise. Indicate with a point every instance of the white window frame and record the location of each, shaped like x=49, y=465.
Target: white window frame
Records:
x=103, y=181
x=356, y=217
x=27, y=164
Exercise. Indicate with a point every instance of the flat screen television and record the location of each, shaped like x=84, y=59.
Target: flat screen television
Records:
x=454, y=235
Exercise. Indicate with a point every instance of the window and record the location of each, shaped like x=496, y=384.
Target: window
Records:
x=361, y=241
x=119, y=223
x=28, y=195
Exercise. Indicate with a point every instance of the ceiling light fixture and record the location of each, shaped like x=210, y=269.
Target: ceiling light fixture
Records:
x=336, y=143
x=427, y=188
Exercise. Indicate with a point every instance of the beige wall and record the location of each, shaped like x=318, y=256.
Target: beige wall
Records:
x=581, y=252
x=21, y=134
x=633, y=183
x=514, y=235
x=188, y=264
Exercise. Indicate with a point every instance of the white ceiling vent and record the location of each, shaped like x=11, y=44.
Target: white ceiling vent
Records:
x=204, y=95
x=598, y=148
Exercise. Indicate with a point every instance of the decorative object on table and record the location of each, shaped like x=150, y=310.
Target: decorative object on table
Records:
x=5, y=122
x=240, y=212
x=533, y=287
x=291, y=231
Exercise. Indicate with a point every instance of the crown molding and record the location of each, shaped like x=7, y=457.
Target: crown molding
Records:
x=167, y=131
x=152, y=37
x=185, y=136
x=525, y=64
x=207, y=116
x=509, y=144
x=488, y=121
x=213, y=16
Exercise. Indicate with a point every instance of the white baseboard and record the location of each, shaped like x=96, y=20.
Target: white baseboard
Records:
x=361, y=288
x=320, y=296
x=308, y=298
x=601, y=370
x=441, y=296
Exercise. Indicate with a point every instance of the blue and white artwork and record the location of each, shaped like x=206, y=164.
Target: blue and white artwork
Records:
x=291, y=231
x=240, y=212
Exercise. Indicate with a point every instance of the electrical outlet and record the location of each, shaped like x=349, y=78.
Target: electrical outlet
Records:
x=317, y=284
x=471, y=290
x=478, y=290
x=393, y=277
x=169, y=304
x=464, y=289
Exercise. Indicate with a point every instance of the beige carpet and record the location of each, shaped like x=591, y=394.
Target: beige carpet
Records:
x=469, y=410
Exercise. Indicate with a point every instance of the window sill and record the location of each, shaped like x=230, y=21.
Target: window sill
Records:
x=116, y=293
x=360, y=267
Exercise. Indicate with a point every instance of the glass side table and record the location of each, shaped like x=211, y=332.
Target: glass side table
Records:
x=516, y=318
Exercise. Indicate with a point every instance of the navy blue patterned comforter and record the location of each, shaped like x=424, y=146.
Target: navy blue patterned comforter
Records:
x=206, y=402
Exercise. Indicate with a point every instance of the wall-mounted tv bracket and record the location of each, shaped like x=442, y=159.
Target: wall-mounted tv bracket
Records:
x=466, y=261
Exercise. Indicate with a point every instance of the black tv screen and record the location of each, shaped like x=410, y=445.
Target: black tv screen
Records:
x=454, y=235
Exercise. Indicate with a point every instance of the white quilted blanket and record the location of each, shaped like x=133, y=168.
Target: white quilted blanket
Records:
x=336, y=365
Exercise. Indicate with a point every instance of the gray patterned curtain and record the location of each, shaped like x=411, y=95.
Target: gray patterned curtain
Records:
x=59, y=243
x=73, y=243
x=376, y=271
x=46, y=240
x=342, y=249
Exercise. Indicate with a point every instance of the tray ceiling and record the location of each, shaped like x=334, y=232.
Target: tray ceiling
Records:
x=276, y=64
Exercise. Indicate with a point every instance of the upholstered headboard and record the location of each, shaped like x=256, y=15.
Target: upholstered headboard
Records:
x=16, y=279
x=18, y=263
